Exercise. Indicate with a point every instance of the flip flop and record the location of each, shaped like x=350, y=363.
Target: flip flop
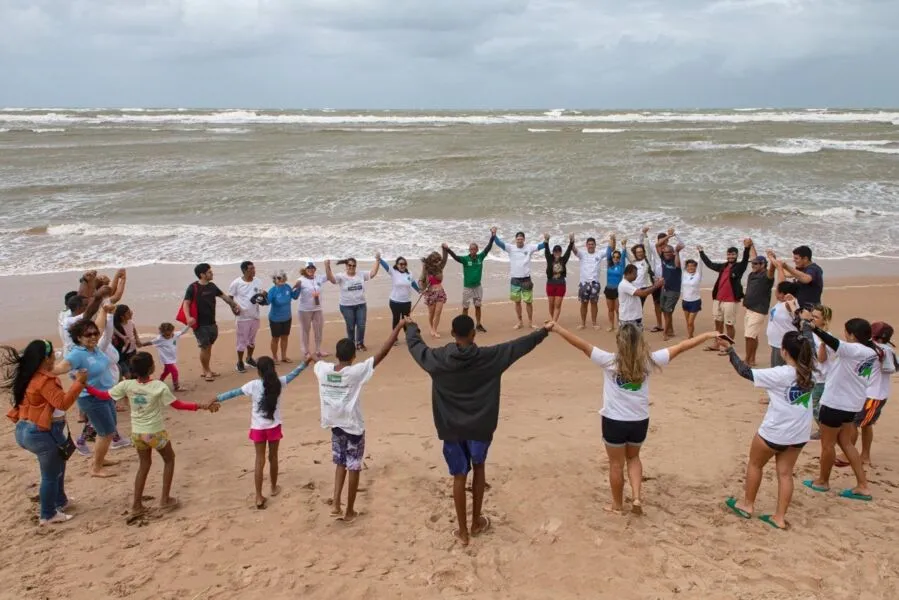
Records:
x=815, y=488
x=486, y=527
x=840, y=463
x=848, y=493
x=656, y=330
x=731, y=503
x=209, y=378
x=767, y=519
x=458, y=537
x=710, y=349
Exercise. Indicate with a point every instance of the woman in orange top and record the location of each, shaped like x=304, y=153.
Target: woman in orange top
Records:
x=38, y=410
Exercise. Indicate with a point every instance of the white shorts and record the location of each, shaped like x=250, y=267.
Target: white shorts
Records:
x=471, y=296
x=754, y=323
x=725, y=312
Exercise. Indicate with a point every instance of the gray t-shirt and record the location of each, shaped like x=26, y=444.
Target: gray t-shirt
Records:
x=758, y=292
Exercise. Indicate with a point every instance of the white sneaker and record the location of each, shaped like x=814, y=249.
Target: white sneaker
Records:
x=59, y=517
x=120, y=443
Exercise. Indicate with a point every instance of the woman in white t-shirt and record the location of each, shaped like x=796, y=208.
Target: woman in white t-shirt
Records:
x=824, y=357
x=265, y=418
x=845, y=392
x=691, y=299
x=780, y=320
x=784, y=430
x=625, y=392
x=309, y=310
x=352, y=297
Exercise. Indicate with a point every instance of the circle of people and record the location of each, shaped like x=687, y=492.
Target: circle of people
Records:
x=841, y=385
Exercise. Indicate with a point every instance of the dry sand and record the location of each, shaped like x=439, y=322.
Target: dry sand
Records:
x=548, y=470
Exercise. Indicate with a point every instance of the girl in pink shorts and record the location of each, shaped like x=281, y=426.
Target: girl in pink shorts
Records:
x=265, y=418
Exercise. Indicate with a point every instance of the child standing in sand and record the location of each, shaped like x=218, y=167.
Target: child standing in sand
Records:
x=167, y=345
x=340, y=390
x=147, y=398
x=265, y=418
x=786, y=427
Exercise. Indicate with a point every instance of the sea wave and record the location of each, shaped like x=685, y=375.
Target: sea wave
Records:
x=313, y=118
x=601, y=130
x=795, y=146
x=538, y=130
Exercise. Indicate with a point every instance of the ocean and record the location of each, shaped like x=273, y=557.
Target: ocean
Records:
x=126, y=187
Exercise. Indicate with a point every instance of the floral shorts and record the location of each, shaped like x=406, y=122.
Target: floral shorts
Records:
x=149, y=441
x=432, y=297
x=347, y=450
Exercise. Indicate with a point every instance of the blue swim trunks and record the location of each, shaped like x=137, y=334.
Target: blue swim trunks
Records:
x=461, y=455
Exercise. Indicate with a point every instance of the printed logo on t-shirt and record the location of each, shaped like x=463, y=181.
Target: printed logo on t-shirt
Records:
x=354, y=287
x=627, y=385
x=140, y=400
x=797, y=396
x=334, y=378
x=866, y=369
x=771, y=314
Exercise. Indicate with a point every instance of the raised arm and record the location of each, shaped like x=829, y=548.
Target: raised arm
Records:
x=377, y=267
x=581, y=344
x=500, y=243
x=452, y=254
x=799, y=275
x=705, y=260
x=567, y=256
x=328, y=273
x=772, y=262
x=118, y=286
x=689, y=344
x=489, y=247
x=382, y=353
x=677, y=251
x=299, y=369
x=419, y=350
x=384, y=265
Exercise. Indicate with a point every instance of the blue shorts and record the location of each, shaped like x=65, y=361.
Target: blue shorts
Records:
x=461, y=455
x=100, y=413
x=693, y=306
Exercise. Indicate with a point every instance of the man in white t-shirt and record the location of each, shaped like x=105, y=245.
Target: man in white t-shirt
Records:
x=521, y=284
x=340, y=391
x=248, y=293
x=588, y=287
x=630, y=309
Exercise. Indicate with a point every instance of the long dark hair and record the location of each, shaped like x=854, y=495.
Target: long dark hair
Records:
x=802, y=352
x=121, y=339
x=271, y=387
x=344, y=261
x=18, y=369
x=861, y=331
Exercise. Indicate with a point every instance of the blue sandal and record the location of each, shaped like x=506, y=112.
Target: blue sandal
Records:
x=848, y=493
x=767, y=519
x=810, y=484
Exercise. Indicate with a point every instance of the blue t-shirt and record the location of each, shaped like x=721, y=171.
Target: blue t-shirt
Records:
x=279, y=298
x=96, y=363
x=672, y=275
x=614, y=273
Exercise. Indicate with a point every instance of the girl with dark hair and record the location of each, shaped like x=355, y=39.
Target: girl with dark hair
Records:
x=124, y=337
x=616, y=261
x=353, y=306
x=401, y=292
x=265, y=418
x=784, y=430
x=39, y=408
x=431, y=281
x=844, y=396
x=556, y=273
x=147, y=398
x=625, y=400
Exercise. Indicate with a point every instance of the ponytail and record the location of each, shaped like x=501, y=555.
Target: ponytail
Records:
x=861, y=331
x=344, y=261
x=18, y=369
x=801, y=350
x=271, y=387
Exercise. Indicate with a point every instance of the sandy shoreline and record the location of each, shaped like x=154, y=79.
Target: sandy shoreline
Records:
x=547, y=469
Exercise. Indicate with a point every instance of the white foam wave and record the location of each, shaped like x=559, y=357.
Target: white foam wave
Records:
x=227, y=130
x=601, y=130
x=4, y=130
x=48, y=130
x=538, y=130
x=243, y=117
x=798, y=146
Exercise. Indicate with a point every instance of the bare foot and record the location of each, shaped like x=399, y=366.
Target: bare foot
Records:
x=110, y=463
x=637, y=508
x=276, y=489
x=261, y=502
x=349, y=516
x=666, y=337
x=336, y=511
x=436, y=335
x=518, y=325
x=481, y=525
x=461, y=536
x=614, y=509
x=103, y=474
x=581, y=327
x=138, y=510
x=168, y=505
x=609, y=330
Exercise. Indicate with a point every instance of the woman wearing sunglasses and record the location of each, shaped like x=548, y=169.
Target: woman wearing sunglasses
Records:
x=280, y=318
x=401, y=292
x=39, y=408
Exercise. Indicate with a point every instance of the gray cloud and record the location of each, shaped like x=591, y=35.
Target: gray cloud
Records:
x=466, y=53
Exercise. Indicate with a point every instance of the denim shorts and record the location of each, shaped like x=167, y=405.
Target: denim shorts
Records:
x=100, y=413
x=461, y=455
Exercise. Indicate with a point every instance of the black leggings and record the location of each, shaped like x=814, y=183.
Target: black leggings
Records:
x=399, y=310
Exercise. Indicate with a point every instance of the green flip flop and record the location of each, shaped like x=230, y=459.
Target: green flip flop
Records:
x=810, y=484
x=731, y=503
x=848, y=493
x=767, y=519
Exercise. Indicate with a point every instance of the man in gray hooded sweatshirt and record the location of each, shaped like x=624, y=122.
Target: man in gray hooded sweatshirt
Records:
x=465, y=400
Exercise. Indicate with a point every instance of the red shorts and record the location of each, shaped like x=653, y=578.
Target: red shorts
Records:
x=555, y=290
x=259, y=436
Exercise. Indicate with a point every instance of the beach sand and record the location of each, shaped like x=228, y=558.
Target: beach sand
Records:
x=547, y=468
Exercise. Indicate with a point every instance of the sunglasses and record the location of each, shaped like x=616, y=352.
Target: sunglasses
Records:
x=91, y=334
x=402, y=264
x=351, y=265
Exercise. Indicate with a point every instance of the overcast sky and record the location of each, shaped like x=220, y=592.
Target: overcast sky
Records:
x=449, y=53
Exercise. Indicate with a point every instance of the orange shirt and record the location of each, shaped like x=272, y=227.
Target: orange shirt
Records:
x=43, y=395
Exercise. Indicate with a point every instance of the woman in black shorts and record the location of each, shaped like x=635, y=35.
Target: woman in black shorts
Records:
x=615, y=261
x=625, y=394
x=786, y=427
